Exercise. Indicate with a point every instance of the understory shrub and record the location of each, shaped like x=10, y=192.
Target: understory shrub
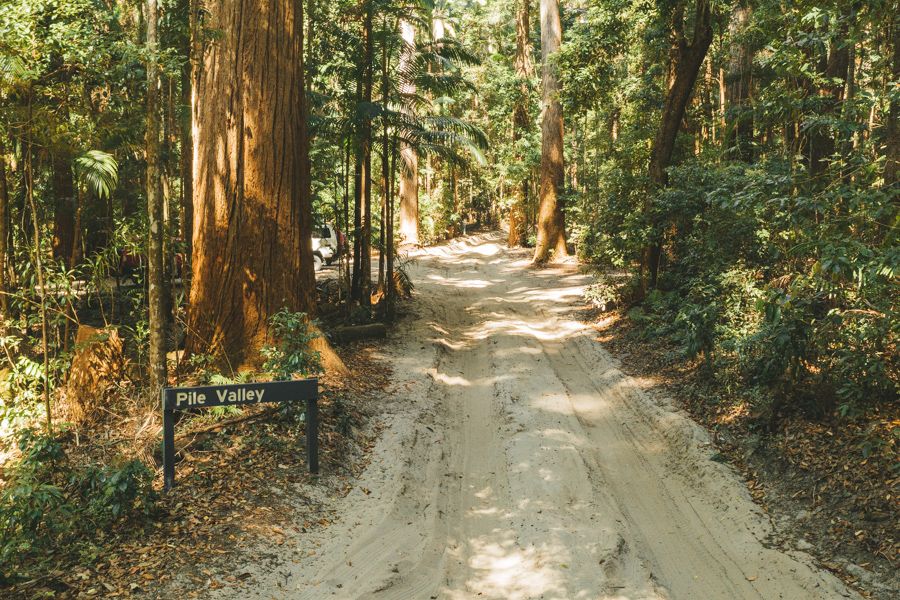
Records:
x=48, y=501
x=789, y=288
x=291, y=355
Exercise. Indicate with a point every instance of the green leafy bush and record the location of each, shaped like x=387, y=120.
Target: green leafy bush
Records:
x=781, y=286
x=49, y=501
x=291, y=354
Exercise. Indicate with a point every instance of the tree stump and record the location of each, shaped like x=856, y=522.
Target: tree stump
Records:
x=97, y=368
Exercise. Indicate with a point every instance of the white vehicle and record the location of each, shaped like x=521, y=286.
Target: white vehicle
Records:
x=325, y=245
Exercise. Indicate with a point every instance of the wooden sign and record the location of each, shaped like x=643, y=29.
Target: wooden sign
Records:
x=175, y=399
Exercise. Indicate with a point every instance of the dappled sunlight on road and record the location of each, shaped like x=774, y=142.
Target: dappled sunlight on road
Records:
x=530, y=467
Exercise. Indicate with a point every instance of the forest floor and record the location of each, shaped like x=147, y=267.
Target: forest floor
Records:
x=516, y=460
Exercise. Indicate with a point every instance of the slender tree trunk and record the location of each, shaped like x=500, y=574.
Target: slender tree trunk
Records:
x=252, y=252
x=687, y=58
x=28, y=183
x=738, y=81
x=409, y=165
x=551, y=230
x=4, y=232
x=189, y=73
x=155, y=259
x=356, y=283
x=365, y=261
x=892, y=141
x=385, y=165
x=391, y=288
x=521, y=118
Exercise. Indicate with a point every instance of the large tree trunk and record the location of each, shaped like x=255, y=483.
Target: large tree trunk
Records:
x=687, y=57
x=551, y=231
x=252, y=252
x=521, y=119
x=739, y=125
x=155, y=264
x=409, y=164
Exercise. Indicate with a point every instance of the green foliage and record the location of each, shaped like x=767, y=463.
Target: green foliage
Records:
x=291, y=354
x=794, y=287
x=98, y=171
x=49, y=501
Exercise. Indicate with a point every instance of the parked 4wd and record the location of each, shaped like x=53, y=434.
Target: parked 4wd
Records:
x=326, y=245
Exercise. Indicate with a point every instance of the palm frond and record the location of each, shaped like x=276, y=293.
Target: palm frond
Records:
x=98, y=171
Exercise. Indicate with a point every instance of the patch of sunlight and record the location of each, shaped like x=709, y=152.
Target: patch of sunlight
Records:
x=438, y=328
x=503, y=570
x=449, y=345
x=555, y=403
x=484, y=493
x=485, y=512
x=486, y=249
x=460, y=283
x=555, y=295
x=542, y=331
x=450, y=380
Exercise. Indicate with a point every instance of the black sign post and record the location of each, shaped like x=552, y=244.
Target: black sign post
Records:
x=175, y=399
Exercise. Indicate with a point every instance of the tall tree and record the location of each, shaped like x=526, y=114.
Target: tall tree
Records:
x=686, y=57
x=4, y=230
x=892, y=134
x=831, y=82
x=252, y=253
x=739, y=122
x=409, y=164
x=362, y=274
x=551, y=229
x=521, y=117
x=156, y=222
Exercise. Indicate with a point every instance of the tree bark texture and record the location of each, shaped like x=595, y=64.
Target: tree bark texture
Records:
x=521, y=119
x=156, y=223
x=409, y=163
x=252, y=252
x=551, y=233
x=4, y=231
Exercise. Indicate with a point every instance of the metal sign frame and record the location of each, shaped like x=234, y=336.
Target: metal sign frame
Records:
x=186, y=398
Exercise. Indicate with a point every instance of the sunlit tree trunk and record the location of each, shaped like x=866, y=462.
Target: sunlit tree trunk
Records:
x=409, y=164
x=687, y=58
x=252, y=252
x=551, y=231
x=189, y=72
x=521, y=118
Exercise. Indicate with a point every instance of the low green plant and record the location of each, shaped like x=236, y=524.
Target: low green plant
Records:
x=291, y=355
x=47, y=501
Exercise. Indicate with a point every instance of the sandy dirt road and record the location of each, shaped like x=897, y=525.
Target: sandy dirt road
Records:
x=518, y=462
